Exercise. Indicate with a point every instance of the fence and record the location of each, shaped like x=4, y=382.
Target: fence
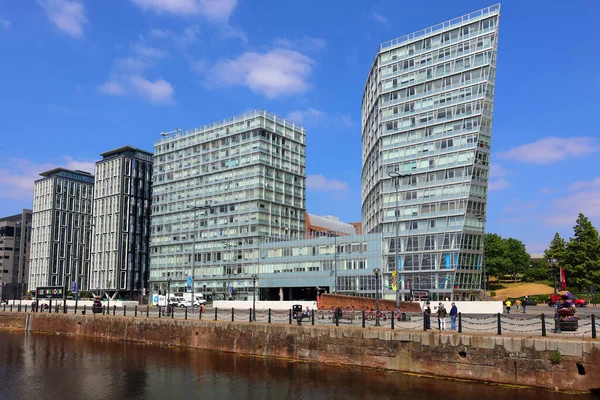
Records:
x=500, y=324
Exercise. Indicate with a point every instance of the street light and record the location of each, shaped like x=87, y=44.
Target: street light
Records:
x=554, y=263
x=194, y=230
x=168, y=290
x=397, y=176
x=254, y=279
x=376, y=271
x=335, y=235
x=482, y=219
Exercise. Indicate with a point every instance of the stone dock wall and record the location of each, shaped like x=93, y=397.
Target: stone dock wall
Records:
x=496, y=359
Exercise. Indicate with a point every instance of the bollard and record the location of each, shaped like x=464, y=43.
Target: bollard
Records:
x=543, y=324
x=75, y=312
x=216, y=313
x=159, y=311
x=147, y=310
x=124, y=310
x=64, y=307
x=57, y=307
x=50, y=307
x=499, y=324
x=200, y=314
x=186, y=313
x=337, y=320
x=84, y=308
x=135, y=311
x=103, y=310
x=232, y=314
x=290, y=316
x=269, y=316
x=312, y=317
x=172, y=312
x=459, y=322
x=250, y=318
x=593, y=326
x=114, y=310
x=392, y=320
x=363, y=319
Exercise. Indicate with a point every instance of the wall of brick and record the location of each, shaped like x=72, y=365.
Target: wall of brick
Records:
x=331, y=301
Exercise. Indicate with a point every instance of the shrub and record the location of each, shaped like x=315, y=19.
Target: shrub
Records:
x=493, y=294
x=556, y=358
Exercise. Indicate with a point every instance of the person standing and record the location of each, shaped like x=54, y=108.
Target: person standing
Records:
x=442, y=314
x=427, y=316
x=525, y=304
x=508, y=304
x=518, y=304
x=453, y=315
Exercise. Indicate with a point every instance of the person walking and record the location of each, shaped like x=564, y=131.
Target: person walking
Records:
x=525, y=304
x=518, y=304
x=427, y=316
x=453, y=315
x=442, y=314
x=508, y=304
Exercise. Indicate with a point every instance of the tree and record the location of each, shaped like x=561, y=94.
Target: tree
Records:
x=538, y=270
x=582, y=261
x=504, y=256
x=557, y=249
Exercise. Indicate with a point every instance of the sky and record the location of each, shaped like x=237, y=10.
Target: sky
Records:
x=81, y=77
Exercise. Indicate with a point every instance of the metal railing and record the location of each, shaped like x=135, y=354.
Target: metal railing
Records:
x=499, y=324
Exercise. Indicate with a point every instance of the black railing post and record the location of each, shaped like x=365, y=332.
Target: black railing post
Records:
x=593, y=326
x=172, y=312
x=312, y=317
x=114, y=310
x=185, y=313
x=159, y=311
x=459, y=322
x=543, y=325
x=147, y=310
x=103, y=310
x=499, y=324
x=49, y=308
x=75, y=308
x=392, y=320
x=232, y=314
x=135, y=311
x=250, y=319
x=269, y=316
x=216, y=313
x=337, y=319
x=124, y=310
x=363, y=318
x=84, y=309
x=290, y=316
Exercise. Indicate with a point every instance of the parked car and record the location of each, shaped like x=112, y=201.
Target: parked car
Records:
x=577, y=302
x=3, y=303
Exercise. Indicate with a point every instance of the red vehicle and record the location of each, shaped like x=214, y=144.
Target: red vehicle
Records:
x=567, y=296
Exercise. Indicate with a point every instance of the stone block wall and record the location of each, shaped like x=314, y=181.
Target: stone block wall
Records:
x=331, y=301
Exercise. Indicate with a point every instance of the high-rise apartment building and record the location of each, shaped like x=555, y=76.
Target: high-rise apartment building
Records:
x=427, y=123
x=15, y=240
x=219, y=190
x=121, y=234
x=61, y=229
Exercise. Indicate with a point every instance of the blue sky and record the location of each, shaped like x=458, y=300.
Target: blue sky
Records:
x=81, y=77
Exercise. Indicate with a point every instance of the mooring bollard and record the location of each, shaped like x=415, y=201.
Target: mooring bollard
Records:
x=543, y=324
x=499, y=324
x=459, y=322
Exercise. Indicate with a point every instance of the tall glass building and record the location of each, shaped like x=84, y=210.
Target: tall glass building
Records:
x=426, y=133
x=218, y=191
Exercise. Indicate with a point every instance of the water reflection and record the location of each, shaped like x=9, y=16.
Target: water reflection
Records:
x=59, y=367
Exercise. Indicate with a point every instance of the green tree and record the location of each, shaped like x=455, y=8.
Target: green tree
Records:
x=557, y=249
x=504, y=256
x=517, y=255
x=538, y=270
x=582, y=261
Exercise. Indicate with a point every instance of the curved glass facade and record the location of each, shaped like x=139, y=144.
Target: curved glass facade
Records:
x=426, y=134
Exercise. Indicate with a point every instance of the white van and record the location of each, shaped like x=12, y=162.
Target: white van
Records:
x=186, y=298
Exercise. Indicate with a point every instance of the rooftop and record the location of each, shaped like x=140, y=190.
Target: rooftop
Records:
x=124, y=149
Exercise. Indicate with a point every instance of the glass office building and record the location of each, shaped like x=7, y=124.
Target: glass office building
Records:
x=218, y=191
x=426, y=133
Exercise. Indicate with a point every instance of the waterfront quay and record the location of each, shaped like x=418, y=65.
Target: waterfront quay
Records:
x=562, y=363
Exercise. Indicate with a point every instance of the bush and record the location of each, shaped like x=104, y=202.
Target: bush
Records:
x=493, y=294
x=556, y=358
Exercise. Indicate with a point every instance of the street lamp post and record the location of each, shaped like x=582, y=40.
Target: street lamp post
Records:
x=397, y=176
x=254, y=279
x=376, y=271
x=554, y=263
x=168, y=290
x=482, y=219
x=195, y=208
x=335, y=257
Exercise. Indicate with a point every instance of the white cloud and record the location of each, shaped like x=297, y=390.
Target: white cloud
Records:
x=5, y=24
x=312, y=116
x=580, y=197
x=148, y=52
x=214, y=10
x=594, y=183
x=187, y=37
x=497, y=170
x=199, y=66
x=68, y=16
x=551, y=149
x=17, y=177
x=305, y=43
x=498, y=184
x=111, y=88
x=319, y=183
x=277, y=73
x=159, y=91
x=380, y=19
